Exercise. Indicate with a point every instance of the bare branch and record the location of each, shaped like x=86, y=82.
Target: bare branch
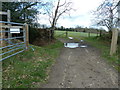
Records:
x=54, y=14
x=105, y=15
x=62, y=4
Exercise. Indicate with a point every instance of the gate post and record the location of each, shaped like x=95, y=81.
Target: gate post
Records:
x=114, y=41
x=26, y=35
x=1, y=44
x=9, y=19
x=0, y=49
x=2, y=35
x=66, y=33
x=88, y=34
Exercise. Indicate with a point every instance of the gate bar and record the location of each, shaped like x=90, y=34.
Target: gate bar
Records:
x=12, y=38
x=11, y=23
x=12, y=50
x=11, y=45
x=12, y=55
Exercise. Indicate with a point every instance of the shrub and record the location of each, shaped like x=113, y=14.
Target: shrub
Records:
x=33, y=34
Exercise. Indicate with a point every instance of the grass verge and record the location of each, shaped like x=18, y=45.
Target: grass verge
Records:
x=104, y=47
x=30, y=68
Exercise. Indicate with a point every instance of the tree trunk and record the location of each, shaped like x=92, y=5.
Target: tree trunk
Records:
x=52, y=34
x=114, y=42
x=54, y=21
x=100, y=33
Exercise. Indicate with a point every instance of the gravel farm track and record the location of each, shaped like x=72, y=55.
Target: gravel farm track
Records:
x=81, y=68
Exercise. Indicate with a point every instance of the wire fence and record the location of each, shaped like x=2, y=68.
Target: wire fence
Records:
x=73, y=33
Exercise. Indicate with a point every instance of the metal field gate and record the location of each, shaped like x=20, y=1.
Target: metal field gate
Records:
x=13, y=39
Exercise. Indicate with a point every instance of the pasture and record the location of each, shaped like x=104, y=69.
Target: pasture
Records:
x=62, y=34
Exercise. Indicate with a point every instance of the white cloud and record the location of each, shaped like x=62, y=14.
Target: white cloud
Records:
x=81, y=16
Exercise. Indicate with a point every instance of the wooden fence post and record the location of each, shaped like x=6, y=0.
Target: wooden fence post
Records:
x=66, y=33
x=88, y=34
x=100, y=33
x=2, y=35
x=27, y=35
x=9, y=19
x=114, y=41
x=0, y=50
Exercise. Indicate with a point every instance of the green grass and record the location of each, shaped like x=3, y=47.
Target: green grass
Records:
x=30, y=68
x=102, y=45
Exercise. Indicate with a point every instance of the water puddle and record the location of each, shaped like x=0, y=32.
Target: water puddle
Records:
x=74, y=45
x=71, y=45
x=80, y=44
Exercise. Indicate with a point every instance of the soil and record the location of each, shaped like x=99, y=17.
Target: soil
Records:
x=81, y=68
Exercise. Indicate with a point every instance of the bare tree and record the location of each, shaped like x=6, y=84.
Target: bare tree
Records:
x=106, y=15
x=55, y=12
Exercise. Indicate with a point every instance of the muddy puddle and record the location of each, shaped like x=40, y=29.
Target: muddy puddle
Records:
x=74, y=45
x=71, y=45
x=80, y=44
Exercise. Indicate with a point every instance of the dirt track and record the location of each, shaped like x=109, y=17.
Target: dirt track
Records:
x=81, y=68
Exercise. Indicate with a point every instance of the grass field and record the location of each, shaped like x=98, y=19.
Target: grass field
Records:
x=102, y=45
x=30, y=68
x=72, y=34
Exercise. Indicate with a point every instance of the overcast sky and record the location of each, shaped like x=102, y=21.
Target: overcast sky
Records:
x=81, y=16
